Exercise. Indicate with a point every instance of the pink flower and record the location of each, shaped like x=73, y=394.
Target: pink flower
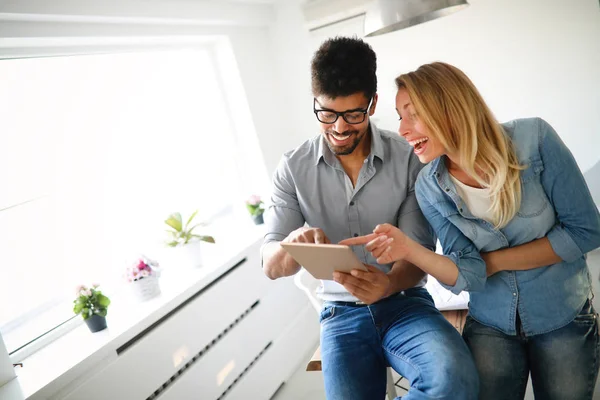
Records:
x=79, y=288
x=254, y=200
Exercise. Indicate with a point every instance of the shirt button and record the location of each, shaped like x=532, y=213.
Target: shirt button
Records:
x=351, y=203
x=460, y=209
x=356, y=235
x=447, y=189
x=514, y=294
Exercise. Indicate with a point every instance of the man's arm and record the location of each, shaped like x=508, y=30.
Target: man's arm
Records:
x=278, y=263
x=404, y=275
x=285, y=223
x=282, y=218
x=414, y=224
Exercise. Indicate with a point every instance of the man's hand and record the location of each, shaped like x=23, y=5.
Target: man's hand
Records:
x=368, y=287
x=307, y=235
x=278, y=263
x=387, y=243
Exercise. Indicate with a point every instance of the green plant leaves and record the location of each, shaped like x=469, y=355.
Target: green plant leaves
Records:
x=190, y=230
x=255, y=210
x=174, y=221
x=103, y=301
x=190, y=220
x=183, y=234
x=101, y=312
x=208, y=239
x=87, y=306
x=77, y=307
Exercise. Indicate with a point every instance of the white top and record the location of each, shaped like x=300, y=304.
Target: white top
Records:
x=477, y=200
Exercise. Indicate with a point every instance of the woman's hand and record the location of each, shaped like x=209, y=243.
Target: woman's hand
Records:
x=387, y=243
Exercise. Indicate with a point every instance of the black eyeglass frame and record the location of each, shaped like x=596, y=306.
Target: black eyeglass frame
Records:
x=338, y=114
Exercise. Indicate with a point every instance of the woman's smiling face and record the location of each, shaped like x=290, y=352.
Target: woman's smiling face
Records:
x=426, y=146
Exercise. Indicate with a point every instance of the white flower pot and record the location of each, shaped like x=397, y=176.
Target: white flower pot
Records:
x=146, y=288
x=187, y=255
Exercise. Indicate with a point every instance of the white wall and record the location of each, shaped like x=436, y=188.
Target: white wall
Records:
x=291, y=53
x=528, y=58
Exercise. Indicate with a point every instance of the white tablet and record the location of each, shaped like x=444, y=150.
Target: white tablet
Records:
x=320, y=260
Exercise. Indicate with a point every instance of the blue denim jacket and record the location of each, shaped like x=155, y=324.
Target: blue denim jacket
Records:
x=556, y=204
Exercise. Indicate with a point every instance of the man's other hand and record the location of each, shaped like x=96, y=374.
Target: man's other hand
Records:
x=368, y=286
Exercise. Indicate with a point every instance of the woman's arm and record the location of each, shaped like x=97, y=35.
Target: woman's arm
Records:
x=578, y=229
x=389, y=244
x=460, y=268
x=535, y=254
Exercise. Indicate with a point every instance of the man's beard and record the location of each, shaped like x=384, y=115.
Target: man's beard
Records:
x=346, y=149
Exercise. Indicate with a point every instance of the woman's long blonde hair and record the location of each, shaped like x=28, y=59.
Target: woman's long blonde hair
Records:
x=452, y=109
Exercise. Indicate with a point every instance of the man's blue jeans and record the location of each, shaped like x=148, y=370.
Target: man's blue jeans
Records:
x=404, y=331
x=563, y=363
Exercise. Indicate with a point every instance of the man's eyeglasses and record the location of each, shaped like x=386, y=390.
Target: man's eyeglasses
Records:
x=352, y=117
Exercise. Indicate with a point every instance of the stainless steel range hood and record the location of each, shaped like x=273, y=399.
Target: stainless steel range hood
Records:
x=385, y=16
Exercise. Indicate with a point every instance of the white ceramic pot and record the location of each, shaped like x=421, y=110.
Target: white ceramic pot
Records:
x=187, y=255
x=146, y=288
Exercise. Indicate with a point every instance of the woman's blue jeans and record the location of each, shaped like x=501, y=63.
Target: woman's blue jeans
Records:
x=563, y=363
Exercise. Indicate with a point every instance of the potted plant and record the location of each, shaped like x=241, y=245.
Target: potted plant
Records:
x=256, y=208
x=143, y=276
x=92, y=305
x=184, y=238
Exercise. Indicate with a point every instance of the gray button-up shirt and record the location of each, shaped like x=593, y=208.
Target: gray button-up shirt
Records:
x=311, y=187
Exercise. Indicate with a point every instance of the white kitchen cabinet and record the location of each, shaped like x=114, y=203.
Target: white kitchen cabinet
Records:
x=243, y=334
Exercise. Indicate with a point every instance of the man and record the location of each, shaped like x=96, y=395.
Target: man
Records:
x=343, y=183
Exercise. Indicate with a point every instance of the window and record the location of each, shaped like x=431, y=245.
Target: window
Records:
x=95, y=152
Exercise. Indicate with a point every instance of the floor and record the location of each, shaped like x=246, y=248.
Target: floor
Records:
x=309, y=385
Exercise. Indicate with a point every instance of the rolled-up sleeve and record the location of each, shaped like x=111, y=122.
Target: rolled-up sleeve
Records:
x=283, y=215
x=578, y=228
x=457, y=247
x=410, y=218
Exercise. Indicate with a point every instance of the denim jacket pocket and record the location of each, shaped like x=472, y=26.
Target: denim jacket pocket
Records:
x=533, y=197
x=326, y=314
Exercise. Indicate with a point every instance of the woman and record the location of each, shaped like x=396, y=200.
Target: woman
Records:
x=508, y=198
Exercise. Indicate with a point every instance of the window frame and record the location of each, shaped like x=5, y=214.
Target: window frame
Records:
x=221, y=51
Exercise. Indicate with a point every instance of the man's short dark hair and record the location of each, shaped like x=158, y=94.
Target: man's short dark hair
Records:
x=343, y=66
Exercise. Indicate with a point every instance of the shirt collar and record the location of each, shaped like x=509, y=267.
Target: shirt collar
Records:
x=377, y=149
x=438, y=166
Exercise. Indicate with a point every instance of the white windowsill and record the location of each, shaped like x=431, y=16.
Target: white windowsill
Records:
x=48, y=370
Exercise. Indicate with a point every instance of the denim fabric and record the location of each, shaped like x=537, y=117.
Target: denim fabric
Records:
x=404, y=331
x=556, y=204
x=563, y=363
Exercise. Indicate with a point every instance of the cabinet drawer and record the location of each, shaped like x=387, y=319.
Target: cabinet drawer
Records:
x=287, y=353
x=217, y=370
x=155, y=356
